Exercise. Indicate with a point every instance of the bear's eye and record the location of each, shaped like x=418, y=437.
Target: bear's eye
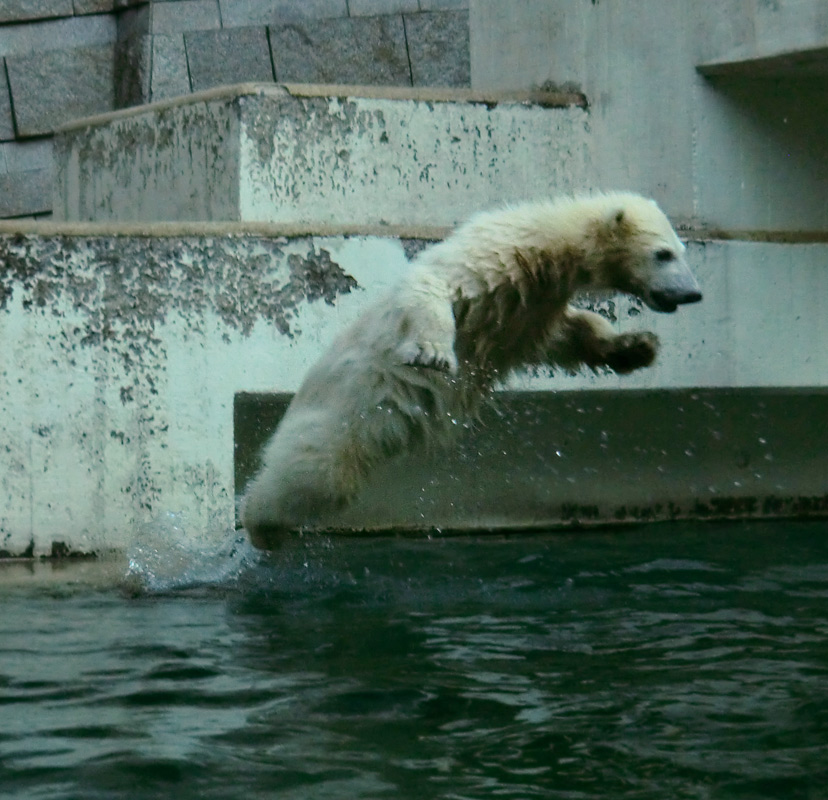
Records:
x=664, y=255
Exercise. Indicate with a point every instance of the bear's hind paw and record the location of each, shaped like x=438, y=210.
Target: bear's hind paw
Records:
x=632, y=351
x=427, y=354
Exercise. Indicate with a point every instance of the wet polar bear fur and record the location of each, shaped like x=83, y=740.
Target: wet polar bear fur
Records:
x=491, y=298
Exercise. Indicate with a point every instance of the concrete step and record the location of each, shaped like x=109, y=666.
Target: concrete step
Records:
x=125, y=350
x=553, y=460
x=320, y=155
x=772, y=40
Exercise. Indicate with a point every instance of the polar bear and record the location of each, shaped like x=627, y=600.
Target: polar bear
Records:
x=491, y=298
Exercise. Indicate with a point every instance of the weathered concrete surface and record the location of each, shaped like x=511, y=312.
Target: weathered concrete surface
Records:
x=187, y=166
x=122, y=356
x=733, y=153
x=320, y=155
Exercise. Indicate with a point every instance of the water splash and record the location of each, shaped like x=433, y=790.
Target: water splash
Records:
x=169, y=555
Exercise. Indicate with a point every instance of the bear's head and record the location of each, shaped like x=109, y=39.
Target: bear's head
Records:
x=643, y=256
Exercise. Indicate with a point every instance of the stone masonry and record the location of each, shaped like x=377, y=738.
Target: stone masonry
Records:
x=65, y=59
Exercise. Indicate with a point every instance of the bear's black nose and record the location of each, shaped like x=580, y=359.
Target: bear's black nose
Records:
x=668, y=299
x=694, y=296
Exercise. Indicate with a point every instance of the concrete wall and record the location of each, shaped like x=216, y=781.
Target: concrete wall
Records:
x=123, y=356
x=65, y=59
x=717, y=109
x=302, y=156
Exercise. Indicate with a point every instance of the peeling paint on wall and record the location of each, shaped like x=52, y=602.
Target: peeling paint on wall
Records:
x=115, y=349
x=127, y=285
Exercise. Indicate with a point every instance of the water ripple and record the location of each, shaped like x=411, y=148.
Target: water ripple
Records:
x=668, y=663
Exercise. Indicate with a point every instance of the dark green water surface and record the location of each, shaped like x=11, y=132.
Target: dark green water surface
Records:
x=674, y=661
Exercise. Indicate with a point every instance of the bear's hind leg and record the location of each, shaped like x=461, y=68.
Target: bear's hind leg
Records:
x=584, y=338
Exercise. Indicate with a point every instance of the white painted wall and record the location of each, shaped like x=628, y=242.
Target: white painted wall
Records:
x=738, y=146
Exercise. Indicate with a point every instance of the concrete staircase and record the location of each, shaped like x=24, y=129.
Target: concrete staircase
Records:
x=207, y=248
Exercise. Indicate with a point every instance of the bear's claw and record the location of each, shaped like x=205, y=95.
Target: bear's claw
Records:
x=427, y=354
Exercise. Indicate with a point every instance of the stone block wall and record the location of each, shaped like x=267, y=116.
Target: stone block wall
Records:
x=65, y=59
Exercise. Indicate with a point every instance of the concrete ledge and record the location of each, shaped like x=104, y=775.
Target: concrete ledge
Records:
x=770, y=63
x=548, y=460
x=167, y=230
x=688, y=233
x=422, y=94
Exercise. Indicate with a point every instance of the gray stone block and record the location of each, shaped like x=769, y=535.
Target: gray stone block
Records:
x=23, y=193
x=93, y=6
x=26, y=178
x=444, y=5
x=6, y=119
x=27, y=156
x=438, y=46
x=20, y=10
x=233, y=55
x=369, y=8
x=133, y=22
x=57, y=34
x=133, y=57
x=357, y=50
x=170, y=76
x=104, y=6
x=241, y=13
x=185, y=15
x=54, y=87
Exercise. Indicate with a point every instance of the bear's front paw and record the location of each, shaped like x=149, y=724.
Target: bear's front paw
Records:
x=632, y=351
x=427, y=354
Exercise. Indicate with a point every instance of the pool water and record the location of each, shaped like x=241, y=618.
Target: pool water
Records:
x=672, y=661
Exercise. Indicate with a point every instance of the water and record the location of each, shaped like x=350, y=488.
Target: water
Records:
x=665, y=662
